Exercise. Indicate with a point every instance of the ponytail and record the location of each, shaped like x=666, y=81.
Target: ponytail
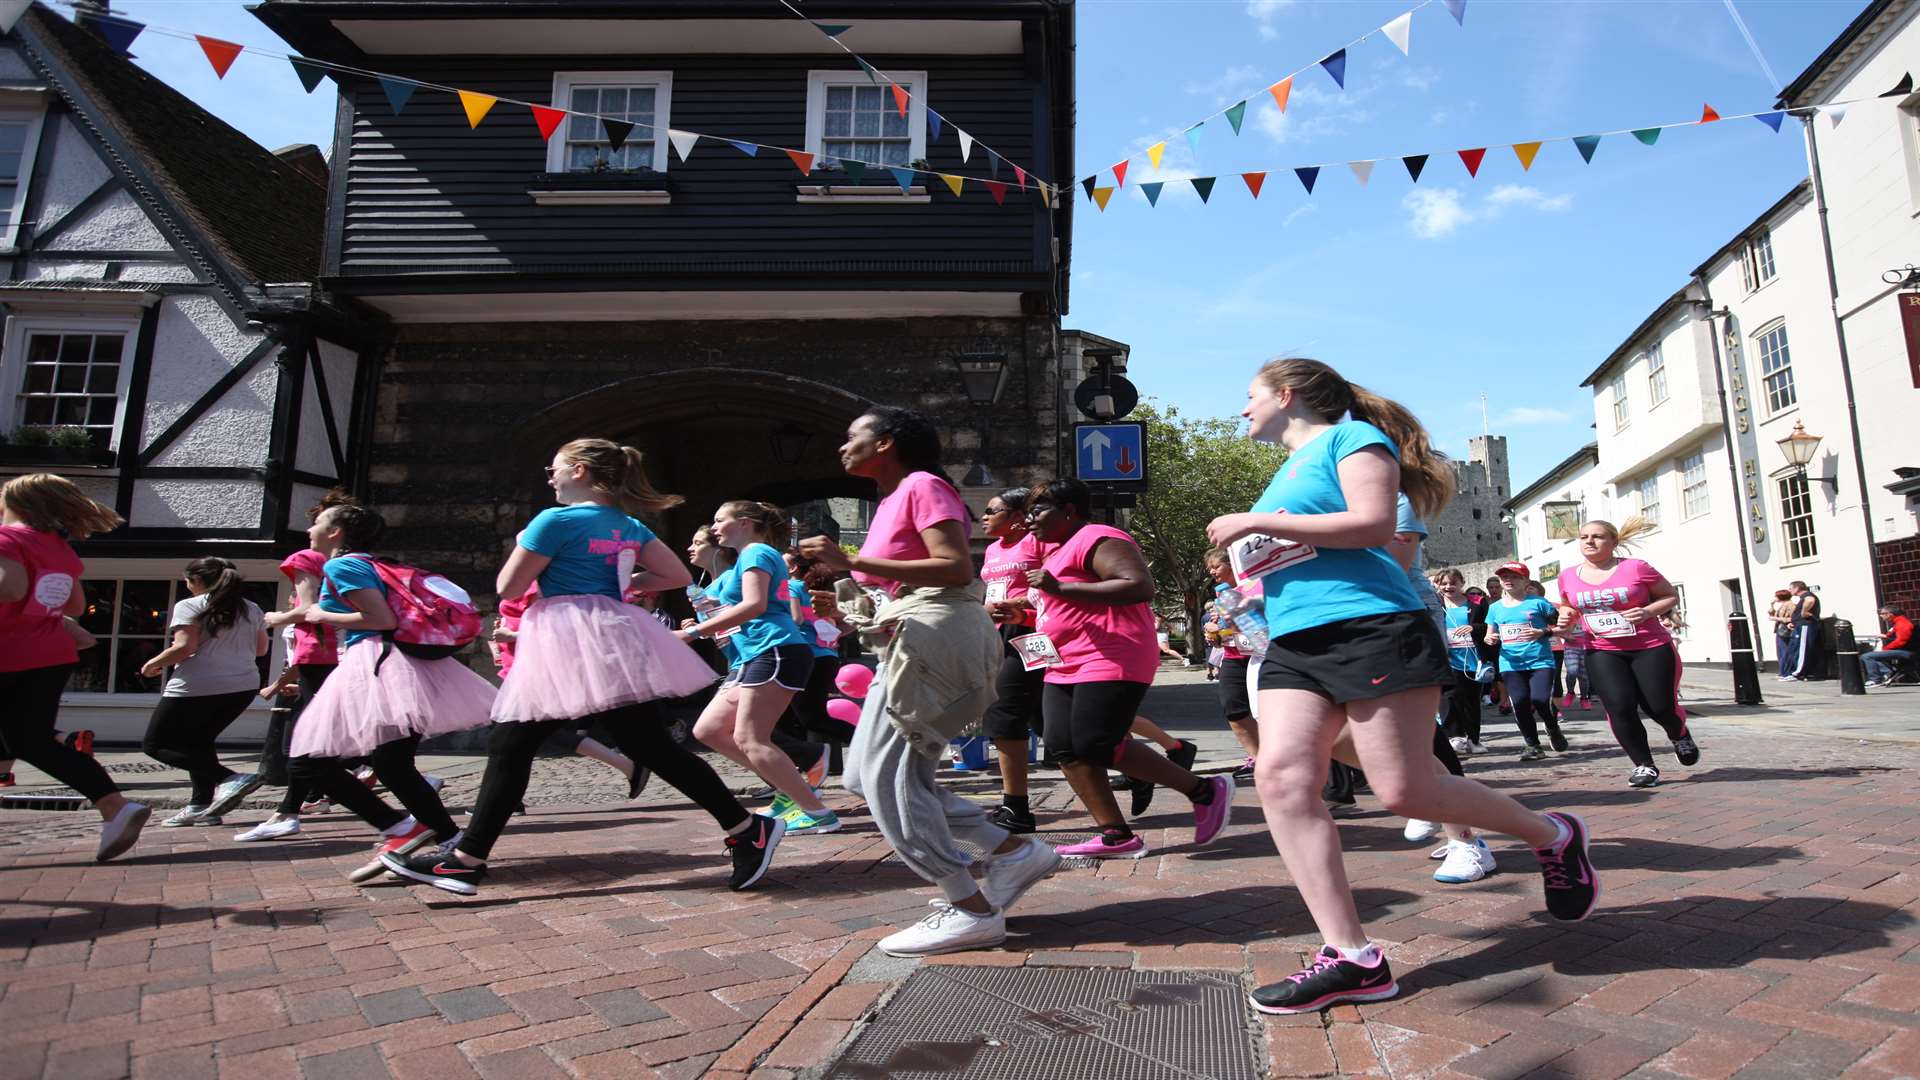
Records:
x=1426, y=476
x=1624, y=535
x=619, y=471
x=769, y=521
x=223, y=582
x=55, y=504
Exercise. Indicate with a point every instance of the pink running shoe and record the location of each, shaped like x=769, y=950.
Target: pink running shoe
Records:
x=1097, y=848
x=1210, y=819
x=1567, y=702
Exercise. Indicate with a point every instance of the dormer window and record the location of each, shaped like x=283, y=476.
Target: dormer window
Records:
x=19, y=138
x=641, y=98
x=850, y=116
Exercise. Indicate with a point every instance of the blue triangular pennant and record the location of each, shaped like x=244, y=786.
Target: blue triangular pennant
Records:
x=1307, y=176
x=856, y=170
x=872, y=75
x=1203, y=185
x=831, y=30
x=1586, y=145
x=933, y=124
x=993, y=165
x=1771, y=119
x=1088, y=184
x=1414, y=164
x=1336, y=66
x=746, y=148
x=310, y=73
x=903, y=177
x=117, y=30
x=1458, y=9
x=1153, y=192
x=398, y=94
x=1193, y=137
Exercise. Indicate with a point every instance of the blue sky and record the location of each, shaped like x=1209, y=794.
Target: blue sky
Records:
x=1515, y=283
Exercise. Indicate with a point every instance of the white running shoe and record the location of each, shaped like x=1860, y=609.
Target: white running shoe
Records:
x=271, y=829
x=1465, y=862
x=947, y=929
x=1442, y=851
x=118, y=835
x=1477, y=748
x=1418, y=831
x=1460, y=746
x=1009, y=876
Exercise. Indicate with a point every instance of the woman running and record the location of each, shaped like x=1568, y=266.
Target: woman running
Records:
x=938, y=657
x=584, y=655
x=1521, y=625
x=1095, y=639
x=1014, y=715
x=381, y=701
x=39, y=587
x=1466, y=627
x=1579, y=686
x=1352, y=645
x=1630, y=656
x=217, y=634
x=775, y=660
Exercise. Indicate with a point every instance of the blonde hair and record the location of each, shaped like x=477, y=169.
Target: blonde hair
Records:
x=1622, y=536
x=1425, y=474
x=619, y=471
x=1449, y=574
x=56, y=504
x=768, y=520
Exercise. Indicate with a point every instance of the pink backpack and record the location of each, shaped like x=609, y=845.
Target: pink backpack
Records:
x=434, y=618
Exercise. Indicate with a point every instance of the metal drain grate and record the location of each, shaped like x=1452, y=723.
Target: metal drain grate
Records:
x=995, y=1023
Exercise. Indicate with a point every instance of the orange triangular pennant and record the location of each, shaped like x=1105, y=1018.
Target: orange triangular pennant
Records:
x=1281, y=91
x=1707, y=115
x=1101, y=195
x=1525, y=152
x=900, y=99
x=1254, y=180
x=220, y=54
x=477, y=106
x=1471, y=159
x=548, y=119
x=801, y=161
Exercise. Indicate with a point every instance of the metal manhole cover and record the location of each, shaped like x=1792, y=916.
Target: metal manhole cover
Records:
x=999, y=1023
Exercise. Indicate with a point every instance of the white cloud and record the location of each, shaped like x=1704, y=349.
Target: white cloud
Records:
x=1436, y=211
x=1299, y=212
x=1234, y=80
x=1528, y=414
x=1531, y=197
x=1266, y=13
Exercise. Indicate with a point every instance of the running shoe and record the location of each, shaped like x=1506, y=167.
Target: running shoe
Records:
x=6, y=779
x=118, y=835
x=1142, y=798
x=1586, y=704
x=1210, y=818
x=231, y=791
x=1014, y=821
x=816, y=773
x=271, y=829
x=1244, y=771
x=1183, y=754
x=947, y=929
x=1419, y=832
x=1477, y=748
x=800, y=821
x=81, y=740
x=1343, y=809
x=188, y=816
x=1686, y=749
x=1567, y=702
x=397, y=844
x=1506, y=709
x=1877, y=683
x=1465, y=862
x=637, y=783
x=1329, y=980
x=364, y=774
x=1556, y=739
x=1442, y=851
x=1461, y=746
x=1533, y=752
x=1009, y=876
x=321, y=805
x=1131, y=847
x=1643, y=776
x=752, y=849
x=441, y=869
x=782, y=805
x=1572, y=886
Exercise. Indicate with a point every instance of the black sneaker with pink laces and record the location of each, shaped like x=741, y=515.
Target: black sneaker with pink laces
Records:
x=1329, y=980
x=1572, y=886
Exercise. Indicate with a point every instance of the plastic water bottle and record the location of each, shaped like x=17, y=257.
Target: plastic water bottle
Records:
x=704, y=603
x=1248, y=618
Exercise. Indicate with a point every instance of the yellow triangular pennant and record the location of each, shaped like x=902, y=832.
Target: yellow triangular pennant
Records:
x=1525, y=151
x=477, y=106
x=1101, y=195
x=1154, y=152
x=1046, y=194
x=953, y=182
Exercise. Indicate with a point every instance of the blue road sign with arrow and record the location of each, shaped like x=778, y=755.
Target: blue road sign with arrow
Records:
x=1110, y=453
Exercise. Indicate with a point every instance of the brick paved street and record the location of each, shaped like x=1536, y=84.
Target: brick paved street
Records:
x=1758, y=921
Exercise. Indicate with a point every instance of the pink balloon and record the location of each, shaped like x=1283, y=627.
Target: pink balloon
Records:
x=854, y=680
x=847, y=712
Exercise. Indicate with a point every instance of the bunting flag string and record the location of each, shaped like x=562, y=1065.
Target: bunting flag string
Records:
x=221, y=54
x=1254, y=182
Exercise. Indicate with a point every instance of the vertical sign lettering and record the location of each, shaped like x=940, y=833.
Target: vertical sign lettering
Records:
x=1910, y=322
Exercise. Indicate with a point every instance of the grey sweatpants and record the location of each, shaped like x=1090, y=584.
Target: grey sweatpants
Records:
x=918, y=817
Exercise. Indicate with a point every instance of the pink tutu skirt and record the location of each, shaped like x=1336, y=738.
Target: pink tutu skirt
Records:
x=357, y=710
x=583, y=654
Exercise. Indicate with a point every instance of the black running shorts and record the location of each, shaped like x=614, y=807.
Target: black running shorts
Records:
x=1359, y=659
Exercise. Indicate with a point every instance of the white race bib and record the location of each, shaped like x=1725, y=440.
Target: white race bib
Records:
x=1036, y=651
x=1254, y=557
x=1514, y=633
x=1460, y=637
x=826, y=633
x=1610, y=624
x=52, y=591
x=996, y=591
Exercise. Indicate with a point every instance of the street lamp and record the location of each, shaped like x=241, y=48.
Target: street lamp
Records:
x=789, y=443
x=1798, y=448
x=983, y=375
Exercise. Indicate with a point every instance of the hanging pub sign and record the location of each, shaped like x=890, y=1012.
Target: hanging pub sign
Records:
x=1910, y=322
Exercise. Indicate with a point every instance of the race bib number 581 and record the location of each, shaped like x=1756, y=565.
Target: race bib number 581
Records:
x=1610, y=624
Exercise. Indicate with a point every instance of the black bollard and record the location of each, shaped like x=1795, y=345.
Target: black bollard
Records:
x=1746, y=671
x=1846, y=657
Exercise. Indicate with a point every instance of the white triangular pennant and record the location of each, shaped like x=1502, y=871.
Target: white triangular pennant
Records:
x=1835, y=114
x=1398, y=30
x=682, y=141
x=1361, y=170
x=966, y=146
x=10, y=12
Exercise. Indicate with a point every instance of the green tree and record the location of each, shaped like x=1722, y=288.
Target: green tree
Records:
x=1197, y=471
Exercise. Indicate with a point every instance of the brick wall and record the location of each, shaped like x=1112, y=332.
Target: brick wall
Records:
x=1899, y=565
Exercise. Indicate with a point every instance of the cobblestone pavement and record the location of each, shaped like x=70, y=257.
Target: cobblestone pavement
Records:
x=1758, y=921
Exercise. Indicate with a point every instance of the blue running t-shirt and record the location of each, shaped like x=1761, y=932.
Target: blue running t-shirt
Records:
x=584, y=541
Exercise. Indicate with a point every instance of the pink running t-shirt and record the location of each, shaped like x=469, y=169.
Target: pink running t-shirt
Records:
x=1096, y=642
x=31, y=632
x=310, y=643
x=922, y=501
x=1004, y=570
x=1629, y=586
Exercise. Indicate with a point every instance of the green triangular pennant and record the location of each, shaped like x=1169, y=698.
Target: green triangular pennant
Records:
x=1648, y=135
x=1235, y=115
x=310, y=73
x=855, y=170
x=1586, y=144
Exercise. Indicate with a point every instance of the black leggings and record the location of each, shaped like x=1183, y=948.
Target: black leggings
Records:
x=1444, y=751
x=393, y=763
x=311, y=676
x=1532, y=695
x=1089, y=721
x=32, y=703
x=1628, y=681
x=182, y=731
x=641, y=735
x=1463, y=715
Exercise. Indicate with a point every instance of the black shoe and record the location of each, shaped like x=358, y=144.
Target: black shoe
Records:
x=1686, y=749
x=1557, y=740
x=638, y=782
x=752, y=850
x=1330, y=980
x=1184, y=754
x=1142, y=798
x=1643, y=776
x=1012, y=820
x=440, y=869
x=1572, y=886
x=1244, y=771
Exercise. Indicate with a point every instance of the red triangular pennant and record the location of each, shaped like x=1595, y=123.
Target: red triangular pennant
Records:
x=1254, y=180
x=802, y=161
x=220, y=54
x=996, y=189
x=1707, y=115
x=1020, y=174
x=900, y=99
x=1120, y=175
x=1471, y=159
x=548, y=119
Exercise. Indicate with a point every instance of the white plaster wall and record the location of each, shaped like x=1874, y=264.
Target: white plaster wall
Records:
x=197, y=504
x=167, y=273
x=314, y=454
x=196, y=343
x=304, y=495
x=115, y=223
x=76, y=170
x=64, y=271
x=1697, y=553
x=1653, y=429
x=1586, y=487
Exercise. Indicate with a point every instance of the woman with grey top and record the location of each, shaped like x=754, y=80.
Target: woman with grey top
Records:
x=216, y=635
